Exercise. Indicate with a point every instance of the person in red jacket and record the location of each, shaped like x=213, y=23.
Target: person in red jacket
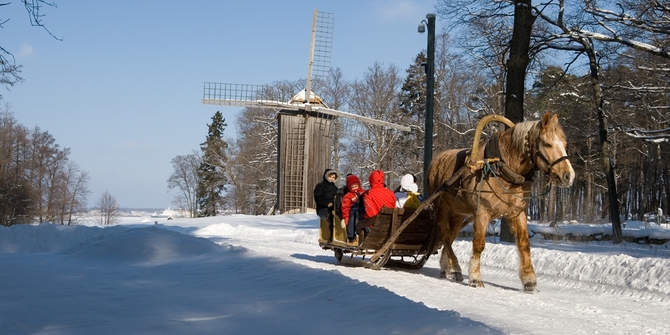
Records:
x=378, y=195
x=350, y=205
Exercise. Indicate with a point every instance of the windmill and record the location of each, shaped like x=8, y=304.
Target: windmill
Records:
x=305, y=123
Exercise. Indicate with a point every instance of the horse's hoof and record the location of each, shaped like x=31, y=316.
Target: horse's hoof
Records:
x=457, y=277
x=454, y=276
x=476, y=283
x=529, y=287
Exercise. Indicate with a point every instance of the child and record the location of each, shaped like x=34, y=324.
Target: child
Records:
x=324, y=194
x=350, y=205
x=407, y=195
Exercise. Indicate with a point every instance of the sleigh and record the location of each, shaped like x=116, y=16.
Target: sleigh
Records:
x=398, y=237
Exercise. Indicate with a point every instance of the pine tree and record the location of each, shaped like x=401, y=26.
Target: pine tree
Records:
x=413, y=108
x=211, y=170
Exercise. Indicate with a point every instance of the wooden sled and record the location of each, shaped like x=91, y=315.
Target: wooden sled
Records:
x=399, y=237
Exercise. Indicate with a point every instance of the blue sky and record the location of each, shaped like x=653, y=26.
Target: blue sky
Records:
x=122, y=89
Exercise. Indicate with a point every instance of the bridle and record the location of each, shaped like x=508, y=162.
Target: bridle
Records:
x=550, y=165
x=546, y=161
x=537, y=153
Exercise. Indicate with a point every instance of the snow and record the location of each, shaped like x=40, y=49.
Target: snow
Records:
x=242, y=274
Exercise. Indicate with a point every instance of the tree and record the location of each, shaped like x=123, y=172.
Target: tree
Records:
x=9, y=70
x=107, y=210
x=74, y=194
x=38, y=182
x=456, y=83
x=579, y=39
x=566, y=94
x=482, y=30
x=335, y=92
x=412, y=104
x=17, y=194
x=515, y=87
x=377, y=96
x=256, y=148
x=185, y=178
x=211, y=173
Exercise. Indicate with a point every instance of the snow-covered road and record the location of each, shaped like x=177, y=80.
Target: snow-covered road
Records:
x=578, y=292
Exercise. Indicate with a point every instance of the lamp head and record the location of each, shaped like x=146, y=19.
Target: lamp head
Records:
x=422, y=28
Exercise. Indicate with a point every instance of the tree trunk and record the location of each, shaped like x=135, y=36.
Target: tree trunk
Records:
x=589, y=198
x=606, y=150
x=551, y=206
x=516, y=77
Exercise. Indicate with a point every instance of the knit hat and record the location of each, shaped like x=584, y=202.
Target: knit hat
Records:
x=407, y=183
x=352, y=179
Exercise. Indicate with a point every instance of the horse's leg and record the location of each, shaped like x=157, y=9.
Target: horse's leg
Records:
x=478, y=242
x=526, y=271
x=449, y=268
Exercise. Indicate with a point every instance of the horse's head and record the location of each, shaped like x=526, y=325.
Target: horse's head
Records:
x=550, y=153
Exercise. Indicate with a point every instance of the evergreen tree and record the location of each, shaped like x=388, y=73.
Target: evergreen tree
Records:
x=211, y=170
x=412, y=106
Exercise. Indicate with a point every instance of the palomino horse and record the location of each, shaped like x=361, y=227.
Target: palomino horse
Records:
x=477, y=193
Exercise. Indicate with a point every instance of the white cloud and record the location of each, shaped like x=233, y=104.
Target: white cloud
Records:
x=25, y=51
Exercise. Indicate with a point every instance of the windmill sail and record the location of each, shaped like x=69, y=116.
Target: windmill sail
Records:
x=243, y=95
x=321, y=47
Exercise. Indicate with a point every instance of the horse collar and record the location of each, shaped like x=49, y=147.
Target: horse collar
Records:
x=492, y=150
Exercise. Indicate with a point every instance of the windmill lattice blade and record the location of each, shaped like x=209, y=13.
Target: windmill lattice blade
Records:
x=323, y=44
x=234, y=94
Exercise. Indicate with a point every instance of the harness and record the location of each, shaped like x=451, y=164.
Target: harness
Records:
x=494, y=165
x=500, y=168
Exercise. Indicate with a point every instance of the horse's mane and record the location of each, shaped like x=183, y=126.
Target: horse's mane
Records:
x=523, y=131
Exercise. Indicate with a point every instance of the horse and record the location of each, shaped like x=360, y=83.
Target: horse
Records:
x=477, y=193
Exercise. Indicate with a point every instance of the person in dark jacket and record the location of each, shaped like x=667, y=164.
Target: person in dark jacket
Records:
x=324, y=195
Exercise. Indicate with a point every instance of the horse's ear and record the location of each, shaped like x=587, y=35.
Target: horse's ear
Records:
x=546, y=118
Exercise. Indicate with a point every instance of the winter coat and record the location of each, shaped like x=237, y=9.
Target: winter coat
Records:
x=324, y=192
x=378, y=195
x=351, y=197
x=408, y=190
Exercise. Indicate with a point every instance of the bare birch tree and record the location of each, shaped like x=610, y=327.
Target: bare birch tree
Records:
x=185, y=179
x=107, y=210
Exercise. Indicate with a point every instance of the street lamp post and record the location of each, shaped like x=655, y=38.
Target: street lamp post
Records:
x=430, y=90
